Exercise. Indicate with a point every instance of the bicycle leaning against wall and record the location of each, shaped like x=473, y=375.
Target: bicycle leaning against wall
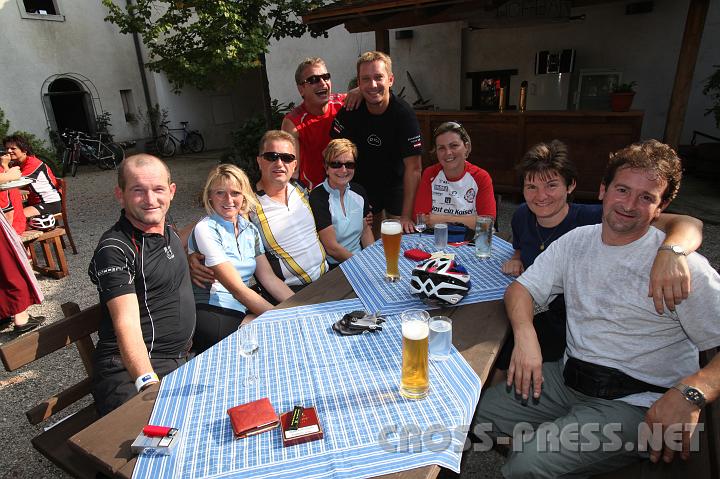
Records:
x=167, y=143
x=79, y=146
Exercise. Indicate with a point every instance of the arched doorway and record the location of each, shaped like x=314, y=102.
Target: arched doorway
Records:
x=70, y=106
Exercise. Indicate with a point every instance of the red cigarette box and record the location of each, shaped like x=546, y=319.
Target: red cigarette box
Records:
x=308, y=430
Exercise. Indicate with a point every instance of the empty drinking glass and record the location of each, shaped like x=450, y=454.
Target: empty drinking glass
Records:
x=248, y=349
x=420, y=223
x=441, y=236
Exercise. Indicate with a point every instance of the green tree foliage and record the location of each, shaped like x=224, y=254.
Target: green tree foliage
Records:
x=203, y=42
x=4, y=124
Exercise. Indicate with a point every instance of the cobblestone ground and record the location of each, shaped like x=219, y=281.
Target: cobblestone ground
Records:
x=92, y=209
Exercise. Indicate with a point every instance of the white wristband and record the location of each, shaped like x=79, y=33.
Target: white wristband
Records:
x=145, y=380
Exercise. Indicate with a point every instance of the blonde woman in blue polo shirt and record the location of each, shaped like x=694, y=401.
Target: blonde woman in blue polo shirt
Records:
x=339, y=206
x=233, y=250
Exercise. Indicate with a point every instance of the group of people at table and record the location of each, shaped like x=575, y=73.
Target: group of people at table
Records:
x=606, y=327
x=20, y=289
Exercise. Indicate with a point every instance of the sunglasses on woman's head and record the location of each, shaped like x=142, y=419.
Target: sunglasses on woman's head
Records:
x=448, y=126
x=313, y=79
x=454, y=127
x=350, y=165
x=274, y=156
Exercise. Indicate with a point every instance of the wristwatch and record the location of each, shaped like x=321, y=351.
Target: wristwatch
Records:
x=675, y=248
x=692, y=394
x=145, y=380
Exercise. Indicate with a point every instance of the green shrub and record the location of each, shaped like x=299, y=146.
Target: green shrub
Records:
x=4, y=124
x=245, y=140
x=39, y=146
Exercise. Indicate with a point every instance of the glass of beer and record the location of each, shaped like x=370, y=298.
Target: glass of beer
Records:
x=391, y=233
x=415, y=380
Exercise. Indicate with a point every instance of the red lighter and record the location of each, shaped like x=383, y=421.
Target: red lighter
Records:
x=157, y=431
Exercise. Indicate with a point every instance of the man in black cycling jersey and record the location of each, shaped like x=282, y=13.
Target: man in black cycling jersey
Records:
x=141, y=273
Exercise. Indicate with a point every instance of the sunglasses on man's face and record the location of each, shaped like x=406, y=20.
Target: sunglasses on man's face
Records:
x=350, y=165
x=274, y=156
x=313, y=79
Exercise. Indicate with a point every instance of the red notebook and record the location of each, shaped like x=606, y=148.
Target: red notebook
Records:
x=253, y=418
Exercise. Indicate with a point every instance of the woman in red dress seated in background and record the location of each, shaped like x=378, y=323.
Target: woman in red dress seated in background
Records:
x=18, y=287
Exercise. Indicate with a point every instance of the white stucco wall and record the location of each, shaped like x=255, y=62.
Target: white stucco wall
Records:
x=87, y=45
x=432, y=58
x=215, y=113
x=83, y=43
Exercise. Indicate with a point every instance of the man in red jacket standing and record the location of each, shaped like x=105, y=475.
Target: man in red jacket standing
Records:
x=310, y=121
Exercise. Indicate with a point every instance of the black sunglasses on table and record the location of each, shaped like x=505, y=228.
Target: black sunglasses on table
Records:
x=350, y=165
x=274, y=156
x=313, y=79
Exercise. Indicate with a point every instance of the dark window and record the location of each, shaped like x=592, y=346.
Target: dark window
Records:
x=42, y=7
x=128, y=103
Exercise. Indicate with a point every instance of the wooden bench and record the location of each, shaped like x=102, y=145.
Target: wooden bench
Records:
x=75, y=328
x=51, y=249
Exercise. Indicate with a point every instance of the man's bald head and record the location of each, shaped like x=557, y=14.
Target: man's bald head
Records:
x=138, y=161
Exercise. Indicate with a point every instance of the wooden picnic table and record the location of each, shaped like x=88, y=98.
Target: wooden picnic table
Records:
x=479, y=331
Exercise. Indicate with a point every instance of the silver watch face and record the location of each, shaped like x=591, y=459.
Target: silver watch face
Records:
x=677, y=249
x=695, y=396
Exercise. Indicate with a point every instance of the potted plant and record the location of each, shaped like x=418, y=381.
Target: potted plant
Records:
x=622, y=96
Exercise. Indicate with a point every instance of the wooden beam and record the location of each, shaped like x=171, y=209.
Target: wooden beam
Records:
x=694, y=25
x=382, y=41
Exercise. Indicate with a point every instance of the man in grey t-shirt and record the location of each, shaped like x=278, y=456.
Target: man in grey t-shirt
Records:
x=628, y=370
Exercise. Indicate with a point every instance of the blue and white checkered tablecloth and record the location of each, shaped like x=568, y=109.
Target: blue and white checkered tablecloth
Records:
x=369, y=428
x=366, y=273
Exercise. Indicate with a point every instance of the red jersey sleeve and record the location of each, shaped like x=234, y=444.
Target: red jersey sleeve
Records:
x=485, y=198
x=423, y=197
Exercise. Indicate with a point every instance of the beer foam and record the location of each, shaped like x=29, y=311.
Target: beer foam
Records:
x=391, y=229
x=415, y=330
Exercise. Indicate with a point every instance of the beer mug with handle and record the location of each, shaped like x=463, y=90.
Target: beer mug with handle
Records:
x=415, y=379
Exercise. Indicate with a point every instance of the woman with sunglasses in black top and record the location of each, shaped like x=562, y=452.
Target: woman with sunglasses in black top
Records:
x=339, y=206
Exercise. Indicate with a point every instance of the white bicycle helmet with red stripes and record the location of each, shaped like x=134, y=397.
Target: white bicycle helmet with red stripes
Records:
x=440, y=281
x=42, y=222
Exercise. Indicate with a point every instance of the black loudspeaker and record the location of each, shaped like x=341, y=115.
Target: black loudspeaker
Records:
x=541, y=61
x=554, y=62
x=567, y=61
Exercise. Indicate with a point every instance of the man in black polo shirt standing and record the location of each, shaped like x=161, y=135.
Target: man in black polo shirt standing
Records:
x=141, y=273
x=387, y=134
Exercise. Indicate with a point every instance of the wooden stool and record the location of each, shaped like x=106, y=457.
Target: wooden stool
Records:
x=49, y=241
